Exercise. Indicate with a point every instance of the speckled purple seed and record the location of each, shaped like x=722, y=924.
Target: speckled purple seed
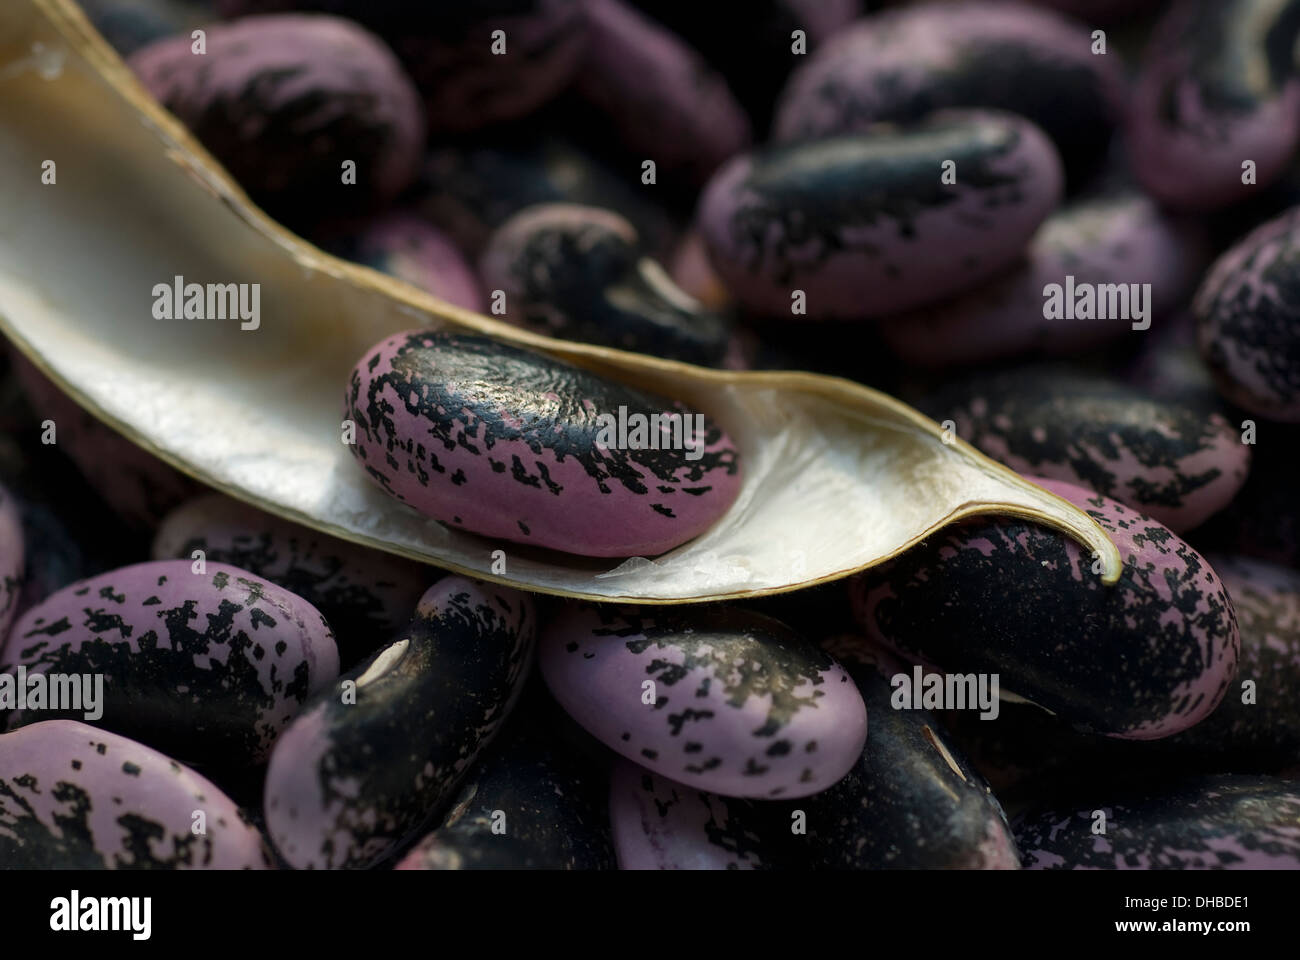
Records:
x=1217, y=88
x=659, y=824
x=1113, y=238
x=912, y=800
x=372, y=760
x=737, y=703
x=526, y=806
x=1144, y=659
x=663, y=99
x=898, y=65
x=403, y=245
x=284, y=101
x=75, y=797
x=468, y=76
x=864, y=224
x=507, y=443
x=1258, y=724
x=1248, y=320
x=1177, y=464
x=468, y=192
x=1208, y=823
x=581, y=273
x=364, y=594
x=207, y=666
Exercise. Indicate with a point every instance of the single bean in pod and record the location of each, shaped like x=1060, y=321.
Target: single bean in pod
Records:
x=500, y=441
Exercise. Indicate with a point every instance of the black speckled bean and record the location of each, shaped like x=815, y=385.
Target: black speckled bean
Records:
x=448, y=49
x=370, y=762
x=865, y=225
x=660, y=97
x=1248, y=311
x=912, y=801
x=470, y=191
x=364, y=594
x=901, y=64
x=527, y=805
x=1265, y=732
x=1218, y=87
x=1108, y=237
x=1177, y=464
x=209, y=667
x=508, y=443
x=74, y=797
x=580, y=273
x=1144, y=659
x=742, y=705
x=1211, y=823
x=660, y=824
x=284, y=101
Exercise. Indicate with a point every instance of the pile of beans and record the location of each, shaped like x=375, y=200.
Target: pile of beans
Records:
x=1067, y=231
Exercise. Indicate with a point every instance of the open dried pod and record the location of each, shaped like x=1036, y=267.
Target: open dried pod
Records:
x=233, y=372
